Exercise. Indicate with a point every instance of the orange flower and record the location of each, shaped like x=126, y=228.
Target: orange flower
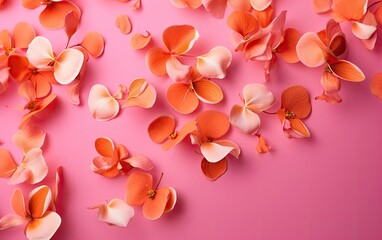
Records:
x=212, y=125
x=53, y=16
x=295, y=106
x=154, y=201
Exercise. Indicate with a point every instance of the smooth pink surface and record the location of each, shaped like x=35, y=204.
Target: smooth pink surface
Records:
x=327, y=187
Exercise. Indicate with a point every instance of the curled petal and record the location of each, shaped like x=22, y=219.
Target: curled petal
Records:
x=299, y=127
x=23, y=34
x=287, y=49
x=117, y=212
x=216, y=8
x=244, y=24
x=73, y=90
x=214, y=170
x=179, y=39
x=35, y=163
x=7, y=164
x=244, y=119
x=39, y=200
x=257, y=97
x=262, y=146
x=28, y=138
x=311, y=50
x=363, y=31
x=12, y=220
x=243, y=5
x=94, y=43
x=154, y=208
x=123, y=23
x=54, y=14
x=193, y=4
x=378, y=14
x=330, y=83
x=214, y=64
x=40, y=52
x=260, y=5
x=68, y=65
x=322, y=6
x=376, y=85
x=140, y=161
x=214, y=152
x=20, y=175
x=104, y=146
x=105, y=166
x=102, y=105
x=139, y=41
x=176, y=70
x=330, y=97
x=156, y=59
x=172, y=200
x=43, y=228
x=347, y=71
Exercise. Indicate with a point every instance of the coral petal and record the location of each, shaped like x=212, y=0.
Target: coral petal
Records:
x=182, y=98
x=176, y=70
x=287, y=49
x=123, y=23
x=188, y=128
x=139, y=41
x=156, y=60
x=161, y=128
x=137, y=187
x=213, y=124
x=214, y=170
x=11, y=220
x=140, y=161
x=299, y=127
x=179, y=39
x=214, y=152
x=53, y=16
x=193, y=4
x=23, y=34
x=296, y=99
x=43, y=228
x=39, y=201
x=347, y=71
x=363, y=31
x=7, y=164
x=104, y=147
x=348, y=9
x=208, y=91
x=216, y=8
x=31, y=4
x=311, y=50
x=154, y=208
x=322, y=6
x=28, y=138
x=94, y=43
x=376, y=85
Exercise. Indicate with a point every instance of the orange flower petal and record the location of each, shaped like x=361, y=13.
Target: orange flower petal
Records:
x=311, y=50
x=182, y=98
x=94, y=43
x=376, y=85
x=347, y=71
x=347, y=10
x=72, y=20
x=296, y=99
x=23, y=34
x=156, y=59
x=105, y=166
x=154, y=208
x=43, y=228
x=193, y=4
x=139, y=41
x=179, y=39
x=214, y=64
x=262, y=146
x=26, y=90
x=215, y=152
x=54, y=14
x=28, y=138
x=188, y=128
x=137, y=187
x=287, y=49
x=338, y=44
x=243, y=5
x=18, y=203
x=143, y=96
x=216, y=8
x=7, y=164
x=176, y=70
x=161, y=128
x=378, y=14
x=31, y=4
x=243, y=23
x=213, y=124
x=208, y=91
x=102, y=106
x=123, y=23
x=214, y=170
x=330, y=83
x=172, y=199
x=39, y=200
x=139, y=161
x=265, y=16
x=322, y=6
x=299, y=127
x=104, y=147
x=363, y=31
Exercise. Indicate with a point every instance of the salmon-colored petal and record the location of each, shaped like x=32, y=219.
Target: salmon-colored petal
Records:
x=31, y=4
x=376, y=85
x=73, y=90
x=137, y=87
x=39, y=200
x=105, y=166
x=257, y=97
x=260, y=5
x=330, y=97
x=330, y=83
x=4, y=76
x=137, y=188
x=262, y=146
x=23, y=34
x=27, y=90
x=347, y=10
x=19, y=67
x=11, y=220
x=5, y=39
x=68, y=65
x=259, y=49
x=28, y=138
x=378, y=14
x=182, y=98
x=40, y=52
x=178, y=136
x=214, y=170
x=322, y=6
x=117, y=212
x=94, y=43
x=43, y=228
x=139, y=40
x=21, y=175
x=311, y=50
x=265, y=16
x=18, y=203
x=57, y=184
x=7, y=164
x=287, y=49
x=179, y=39
x=299, y=127
x=136, y=5
x=193, y=4
x=338, y=44
x=208, y=91
x=297, y=100
x=176, y=70
x=236, y=151
x=35, y=163
x=156, y=59
x=123, y=23
x=243, y=23
x=213, y=124
x=146, y=99
x=216, y=8
x=72, y=21
x=363, y=31
x=215, y=63
x=243, y=5
x=172, y=200
x=102, y=106
x=45, y=102
x=53, y=16
x=214, y=152
x=119, y=94
x=104, y=146
x=347, y=71
x=244, y=119
x=161, y=128
x=140, y=161
x=154, y=208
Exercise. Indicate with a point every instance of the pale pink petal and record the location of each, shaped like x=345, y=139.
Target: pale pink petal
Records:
x=257, y=97
x=235, y=152
x=260, y=5
x=43, y=228
x=216, y=8
x=214, y=64
x=102, y=105
x=176, y=70
x=35, y=162
x=194, y=4
x=172, y=200
x=259, y=48
x=117, y=212
x=68, y=65
x=29, y=138
x=140, y=161
x=322, y=6
x=11, y=220
x=244, y=119
x=311, y=50
x=214, y=152
x=370, y=43
x=40, y=52
x=4, y=76
x=73, y=90
x=19, y=176
x=362, y=31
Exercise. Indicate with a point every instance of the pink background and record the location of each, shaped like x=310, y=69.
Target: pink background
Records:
x=327, y=187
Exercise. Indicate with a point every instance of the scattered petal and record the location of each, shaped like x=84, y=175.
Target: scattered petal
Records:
x=94, y=43
x=376, y=85
x=116, y=212
x=214, y=170
x=214, y=64
x=139, y=41
x=123, y=23
x=102, y=105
